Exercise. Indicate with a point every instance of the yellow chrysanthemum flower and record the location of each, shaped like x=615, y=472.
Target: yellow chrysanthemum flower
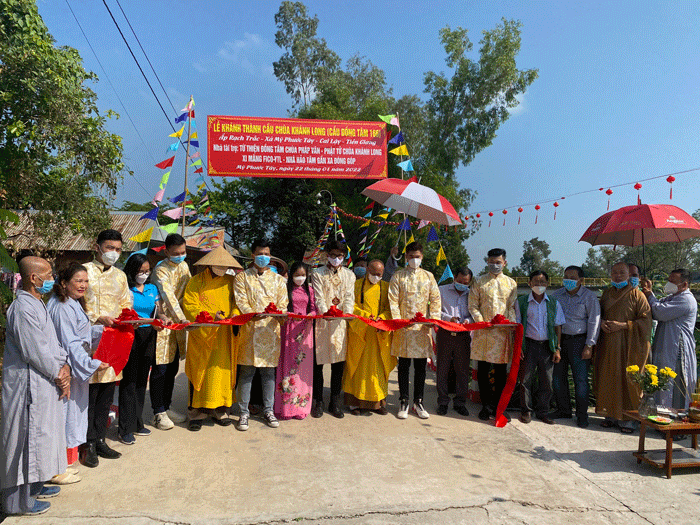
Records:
x=654, y=380
x=651, y=368
x=672, y=374
x=633, y=368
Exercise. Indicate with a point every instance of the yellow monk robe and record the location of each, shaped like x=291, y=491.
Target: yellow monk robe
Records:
x=213, y=351
x=369, y=361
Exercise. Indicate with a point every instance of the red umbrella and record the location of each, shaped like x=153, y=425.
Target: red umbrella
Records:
x=642, y=224
x=413, y=199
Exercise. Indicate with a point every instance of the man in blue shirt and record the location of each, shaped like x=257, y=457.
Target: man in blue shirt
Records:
x=579, y=335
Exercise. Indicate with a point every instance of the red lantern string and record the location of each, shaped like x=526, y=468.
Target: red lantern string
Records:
x=608, y=192
x=520, y=210
x=490, y=215
x=639, y=197
x=670, y=180
x=505, y=212
x=556, y=205
x=537, y=210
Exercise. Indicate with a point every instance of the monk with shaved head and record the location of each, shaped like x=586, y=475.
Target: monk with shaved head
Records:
x=36, y=377
x=369, y=361
x=624, y=341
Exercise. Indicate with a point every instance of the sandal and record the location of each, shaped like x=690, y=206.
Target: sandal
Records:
x=626, y=430
x=195, y=425
x=607, y=424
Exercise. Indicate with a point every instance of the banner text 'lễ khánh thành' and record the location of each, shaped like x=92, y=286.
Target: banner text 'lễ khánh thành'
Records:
x=279, y=147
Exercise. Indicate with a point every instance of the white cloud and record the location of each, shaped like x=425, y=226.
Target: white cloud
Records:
x=251, y=53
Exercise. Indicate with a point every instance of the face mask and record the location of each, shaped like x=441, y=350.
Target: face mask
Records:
x=299, y=280
x=335, y=261
x=360, y=271
x=262, y=260
x=415, y=262
x=45, y=287
x=619, y=285
x=570, y=284
x=273, y=269
x=495, y=268
x=219, y=270
x=177, y=259
x=539, y=290
x=109, y=258
x=141, y=278
x=634, y=281
x=670, y=288
x=374, y=279
x=461, y=287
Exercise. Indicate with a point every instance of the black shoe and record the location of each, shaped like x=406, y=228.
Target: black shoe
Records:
x=559, y=415
x=87, y=455
x=545, y=419
x=316, y=408
x=461, y=410
x=441, y=410
x=484, y=414
x=582, y=423
x=335, y=410
x=382, y=411
x=356, y=412
x=195, y=425
x=105, y=451
x=525, y=417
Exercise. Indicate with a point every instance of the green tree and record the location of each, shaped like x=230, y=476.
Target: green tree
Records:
x=55, y=153
x=599, y=261
x=535, y=256
x=307, y=58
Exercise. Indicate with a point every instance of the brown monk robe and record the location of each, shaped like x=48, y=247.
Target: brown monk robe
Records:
x=624, y=341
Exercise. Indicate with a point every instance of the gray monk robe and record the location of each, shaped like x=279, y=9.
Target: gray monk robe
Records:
x=33, y=425
x=674, y=345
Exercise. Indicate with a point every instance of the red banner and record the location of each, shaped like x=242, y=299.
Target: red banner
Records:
x=279, y=147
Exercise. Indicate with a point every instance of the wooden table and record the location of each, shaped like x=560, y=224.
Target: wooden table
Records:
x=676, y=427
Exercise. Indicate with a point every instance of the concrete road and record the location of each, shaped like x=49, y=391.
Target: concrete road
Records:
x=379, y=470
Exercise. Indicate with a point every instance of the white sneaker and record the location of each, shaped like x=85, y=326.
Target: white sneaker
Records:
x=242, y=423
x=271, y=420
x=403, y=410
x=175, y=417
x=162, y=421
x=420, y=411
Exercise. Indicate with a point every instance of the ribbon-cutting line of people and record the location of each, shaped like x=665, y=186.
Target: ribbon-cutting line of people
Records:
x=57, y=397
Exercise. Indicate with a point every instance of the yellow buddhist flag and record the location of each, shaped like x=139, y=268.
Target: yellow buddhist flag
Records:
x=144, y=236
x=401, y=150
x=365, y=224
x=383, y=215
x=408, y=242
x=178, y=134
x=193, y=136
x=440, y=256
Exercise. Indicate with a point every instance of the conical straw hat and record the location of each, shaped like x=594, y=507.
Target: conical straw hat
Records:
x=219, y=257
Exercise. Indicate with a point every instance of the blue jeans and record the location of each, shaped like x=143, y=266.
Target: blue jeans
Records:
x=571, y=349
x=245, y=380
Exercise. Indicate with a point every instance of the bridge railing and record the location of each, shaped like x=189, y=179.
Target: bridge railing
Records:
x=596, y=282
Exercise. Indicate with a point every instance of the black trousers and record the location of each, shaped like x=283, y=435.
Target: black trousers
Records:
x=419, y=365
x=491, y=396
x=453, y=347
x=101, y=397
x=336, y=380
x=162, y=384
x=537, y=355
x=132, y=388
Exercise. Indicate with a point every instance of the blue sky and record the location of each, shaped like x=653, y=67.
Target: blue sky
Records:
x=616, y=100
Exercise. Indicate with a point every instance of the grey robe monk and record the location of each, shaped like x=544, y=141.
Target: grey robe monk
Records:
x=34, y=363
x=674, y=343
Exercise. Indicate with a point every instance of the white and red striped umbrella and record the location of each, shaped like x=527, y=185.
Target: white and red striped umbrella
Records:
x=413, y=199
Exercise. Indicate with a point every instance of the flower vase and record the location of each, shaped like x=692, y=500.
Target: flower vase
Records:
x=648, y=405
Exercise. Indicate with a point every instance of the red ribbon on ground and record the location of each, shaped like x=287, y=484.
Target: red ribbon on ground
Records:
x=499, y=320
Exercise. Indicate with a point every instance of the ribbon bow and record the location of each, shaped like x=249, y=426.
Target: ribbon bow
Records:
x=128, y=314
x=272, y=309
x=334, y=312
x=204, y=317
x=419, y=318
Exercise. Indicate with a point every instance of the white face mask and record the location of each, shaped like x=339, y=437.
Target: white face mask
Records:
x=335, y=261
x=109, y=258
x=670, y=288
x=219, y=270
x=374, y=279
x=142, y=277
x=415, y=262
x=299, y=280
x=539, y=290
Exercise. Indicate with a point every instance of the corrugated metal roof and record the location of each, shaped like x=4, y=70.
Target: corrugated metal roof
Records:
x=21, y=236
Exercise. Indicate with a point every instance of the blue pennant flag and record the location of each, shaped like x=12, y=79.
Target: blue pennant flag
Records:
x=406, y=165
x=447, y=274
x=432, y=235
x=194, y=143
x=182, y=118
x=175, y=145
x=142, y=252
x=404, y=226
x=193, y=124
x=397, y=139
x=178, y=198
x=151, y=215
